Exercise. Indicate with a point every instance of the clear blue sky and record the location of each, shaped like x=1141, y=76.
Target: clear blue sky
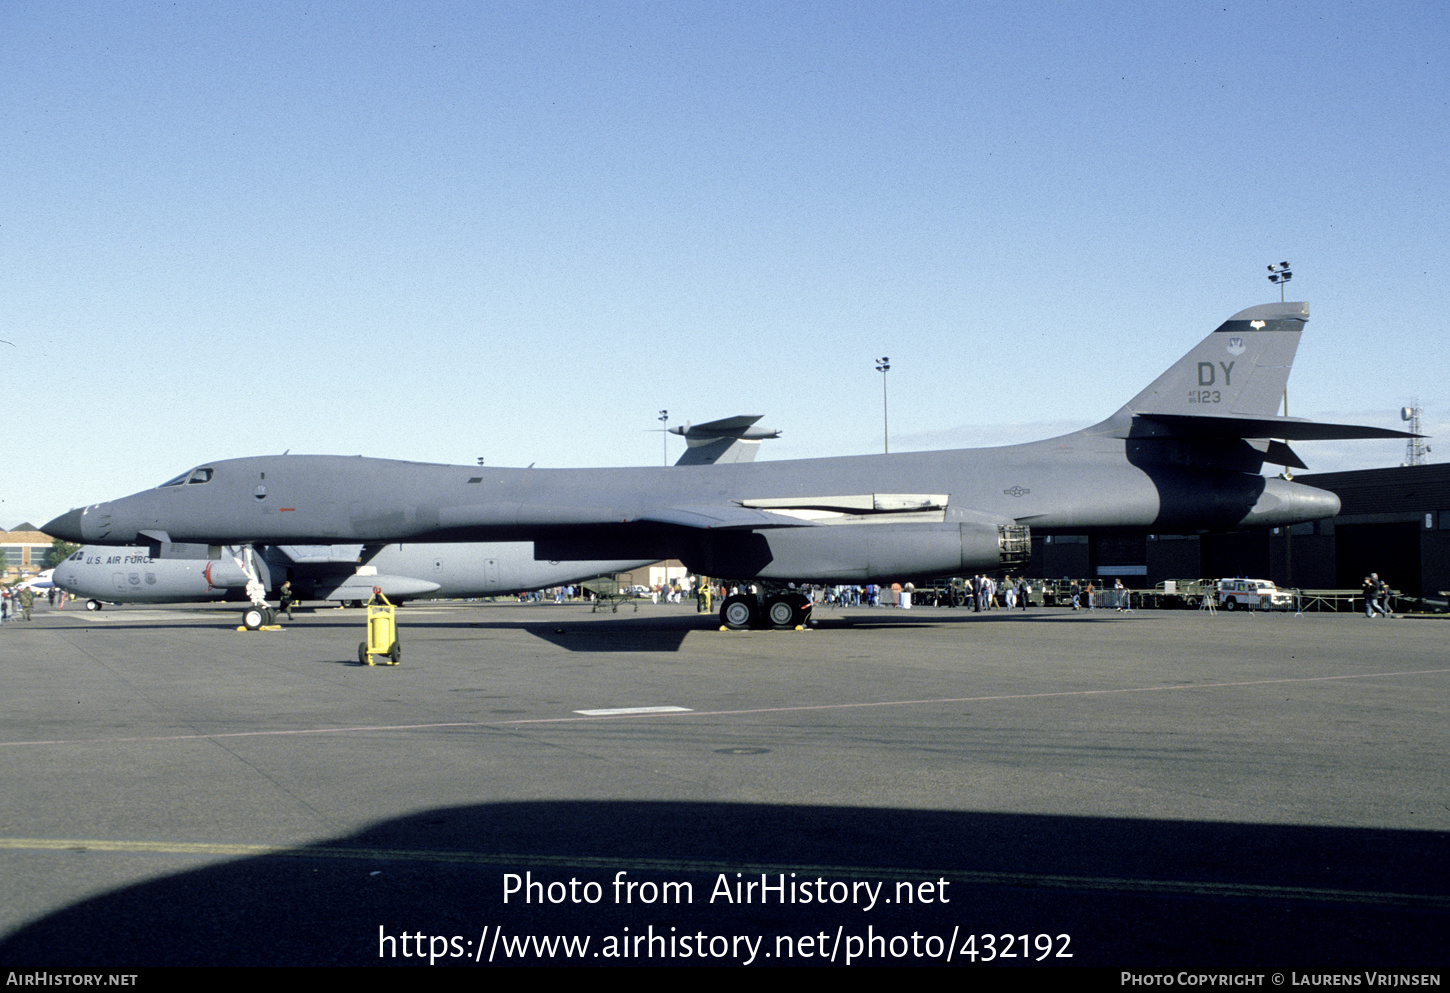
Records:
x=519, y=230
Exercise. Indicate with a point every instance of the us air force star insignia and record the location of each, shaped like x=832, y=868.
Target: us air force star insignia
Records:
x=1257, y=325
x=1017, y=491
x=1236, y=346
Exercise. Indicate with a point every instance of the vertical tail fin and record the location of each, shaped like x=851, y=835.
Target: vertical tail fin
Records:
x=1239, y=369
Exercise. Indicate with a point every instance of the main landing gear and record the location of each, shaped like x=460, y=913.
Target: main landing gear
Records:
x=774, y=610
x=255, y=618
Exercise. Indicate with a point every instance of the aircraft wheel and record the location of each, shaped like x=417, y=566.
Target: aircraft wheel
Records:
x=94, y=605
x=395, y=653
x=253, y=618
x=269, y=616
x=1230, y=604
x=739, y=612
x=780, y=611
x=362, y=653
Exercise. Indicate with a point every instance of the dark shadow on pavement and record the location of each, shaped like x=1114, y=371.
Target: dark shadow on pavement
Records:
x=1127, y=893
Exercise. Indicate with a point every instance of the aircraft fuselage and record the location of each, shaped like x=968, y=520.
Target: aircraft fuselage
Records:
x=1077, y=483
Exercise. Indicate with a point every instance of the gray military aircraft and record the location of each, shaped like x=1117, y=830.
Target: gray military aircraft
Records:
x=1183, y=456
x=730, y=439
x=182, y=572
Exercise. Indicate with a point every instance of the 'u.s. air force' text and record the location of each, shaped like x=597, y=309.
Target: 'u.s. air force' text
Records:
x=766, y=889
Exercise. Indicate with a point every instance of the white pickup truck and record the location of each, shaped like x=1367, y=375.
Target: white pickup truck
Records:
x=1252, y=594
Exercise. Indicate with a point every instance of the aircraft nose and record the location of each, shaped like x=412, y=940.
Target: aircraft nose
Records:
x=67, y=527
x=65, y=577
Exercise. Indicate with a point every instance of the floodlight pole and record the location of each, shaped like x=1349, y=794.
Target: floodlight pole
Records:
x=1288, y=528
x=664, y=418
x=883, y=364
x=1280, y=274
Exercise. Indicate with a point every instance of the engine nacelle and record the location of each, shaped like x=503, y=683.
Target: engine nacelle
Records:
x=225, y=574
x=864, y=553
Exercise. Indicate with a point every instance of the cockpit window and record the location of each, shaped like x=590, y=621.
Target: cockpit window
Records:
x=202, y=475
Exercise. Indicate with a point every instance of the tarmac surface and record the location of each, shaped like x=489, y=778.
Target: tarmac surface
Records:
x=1157, y=789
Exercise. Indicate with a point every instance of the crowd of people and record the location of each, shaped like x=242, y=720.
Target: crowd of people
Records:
x=17, y=602
x=980, y=592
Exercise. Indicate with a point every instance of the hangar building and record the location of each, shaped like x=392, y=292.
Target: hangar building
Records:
x=1392, y=521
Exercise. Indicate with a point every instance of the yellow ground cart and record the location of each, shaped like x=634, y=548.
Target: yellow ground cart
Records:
x=382, y=632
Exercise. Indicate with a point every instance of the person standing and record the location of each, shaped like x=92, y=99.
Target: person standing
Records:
x=1371, y=593
x=287, y=599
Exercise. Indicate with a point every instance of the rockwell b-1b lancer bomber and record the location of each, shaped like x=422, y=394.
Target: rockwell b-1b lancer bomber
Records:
x=1183, y=456
x=182, y=573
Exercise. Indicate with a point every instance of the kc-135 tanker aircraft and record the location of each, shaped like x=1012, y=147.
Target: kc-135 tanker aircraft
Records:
x=1183, y=456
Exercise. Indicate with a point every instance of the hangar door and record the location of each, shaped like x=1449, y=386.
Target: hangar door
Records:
x=1392, y=550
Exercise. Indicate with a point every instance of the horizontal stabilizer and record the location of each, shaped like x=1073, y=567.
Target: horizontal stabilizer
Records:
x=730, y=439
x=735, y=426
x=1279, y=453
x=1237, y=426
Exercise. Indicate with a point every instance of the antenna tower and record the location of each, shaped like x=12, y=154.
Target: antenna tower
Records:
x=1415, y=448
